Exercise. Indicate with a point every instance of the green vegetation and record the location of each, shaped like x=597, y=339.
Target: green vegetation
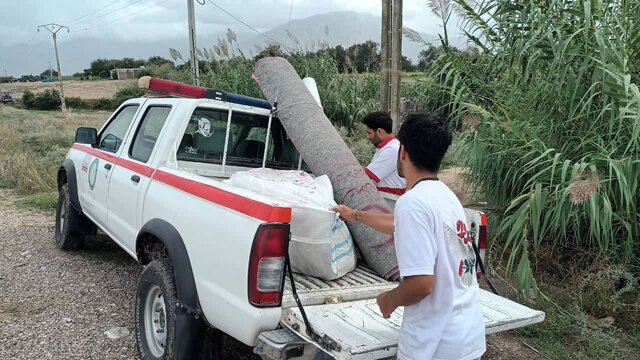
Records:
x=549, y=115
x=41, y=201
x=50, y=100
x=32, y=147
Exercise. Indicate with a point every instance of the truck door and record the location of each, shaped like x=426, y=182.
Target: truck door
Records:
x=357, y=330
x=97, y=166
x=132, y=176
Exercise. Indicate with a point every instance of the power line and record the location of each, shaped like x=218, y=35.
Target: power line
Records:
x=290, y=12
x=107, y=13
x=124, y=17
x=92, y=12
x=247, y=25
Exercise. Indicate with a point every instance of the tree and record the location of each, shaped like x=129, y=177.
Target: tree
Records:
x=407, y=65
x=159, y=61
x=427, y=57
x=269, y=51
x=364, y=57
x=54, y=73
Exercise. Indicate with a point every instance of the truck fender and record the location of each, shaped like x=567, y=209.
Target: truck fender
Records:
x=191, y=327
x=68, y=171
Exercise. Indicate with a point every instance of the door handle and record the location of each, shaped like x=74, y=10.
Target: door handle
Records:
x=107, y=166
x=135, y=178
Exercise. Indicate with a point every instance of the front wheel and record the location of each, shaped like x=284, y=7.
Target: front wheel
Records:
x=69, y=222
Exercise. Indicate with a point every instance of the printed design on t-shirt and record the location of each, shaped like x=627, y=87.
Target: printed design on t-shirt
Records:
x=459, y=241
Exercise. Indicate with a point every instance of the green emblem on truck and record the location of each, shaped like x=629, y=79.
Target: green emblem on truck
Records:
x=93, y=173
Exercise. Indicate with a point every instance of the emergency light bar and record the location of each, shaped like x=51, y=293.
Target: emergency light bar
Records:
x=198, y=92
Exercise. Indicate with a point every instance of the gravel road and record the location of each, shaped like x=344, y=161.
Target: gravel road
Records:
x=58, y=305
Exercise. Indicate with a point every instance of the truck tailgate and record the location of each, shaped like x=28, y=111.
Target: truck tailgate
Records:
x=357, y=330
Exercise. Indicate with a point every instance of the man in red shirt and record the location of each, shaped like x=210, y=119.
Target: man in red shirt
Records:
x=383, y=168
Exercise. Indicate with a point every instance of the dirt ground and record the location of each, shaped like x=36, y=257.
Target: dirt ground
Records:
x=57, y=305
x=89, y=90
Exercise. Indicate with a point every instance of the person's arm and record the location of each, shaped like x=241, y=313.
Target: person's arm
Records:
x=412, y=290
x=378, y=221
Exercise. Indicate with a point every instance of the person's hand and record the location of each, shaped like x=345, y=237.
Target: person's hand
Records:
x=346, y=213
x=386, y=304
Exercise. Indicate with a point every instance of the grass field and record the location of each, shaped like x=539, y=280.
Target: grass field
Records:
x=86, y=90
x=32, y=147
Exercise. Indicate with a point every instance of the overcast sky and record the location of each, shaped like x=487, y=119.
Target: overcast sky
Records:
x=142, y=20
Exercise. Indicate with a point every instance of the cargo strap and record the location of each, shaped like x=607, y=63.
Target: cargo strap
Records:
x=324, y=341
x=484, y=274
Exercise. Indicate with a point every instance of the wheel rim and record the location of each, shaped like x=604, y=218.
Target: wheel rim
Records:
x=63, y=213
x=155, y=321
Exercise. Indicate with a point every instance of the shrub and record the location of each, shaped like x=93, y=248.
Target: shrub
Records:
x=103, y=104
x=124, y=94
x=46, y=100
x=75, y=102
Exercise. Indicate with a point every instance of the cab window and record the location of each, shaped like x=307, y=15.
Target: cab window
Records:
x=112, y=136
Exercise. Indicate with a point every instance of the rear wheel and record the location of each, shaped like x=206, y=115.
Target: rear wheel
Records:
x=156, y=311
x=69, y=222
x=156, y=317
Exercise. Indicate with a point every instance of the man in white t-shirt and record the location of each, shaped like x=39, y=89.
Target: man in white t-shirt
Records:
x=439, y=288
x=383, y=168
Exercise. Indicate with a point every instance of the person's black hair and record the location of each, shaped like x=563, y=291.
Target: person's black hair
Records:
x=426, y=137
x=378, y=120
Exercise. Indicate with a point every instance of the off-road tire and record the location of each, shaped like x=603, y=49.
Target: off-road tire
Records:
x=158, y=273
x=71, y=225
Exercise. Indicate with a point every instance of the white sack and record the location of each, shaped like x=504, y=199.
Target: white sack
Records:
x=321, y=245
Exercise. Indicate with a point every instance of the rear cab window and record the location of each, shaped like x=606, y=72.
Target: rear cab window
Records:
x=246, y=140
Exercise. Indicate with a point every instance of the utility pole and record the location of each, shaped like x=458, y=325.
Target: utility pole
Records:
x=391, y=59
x=195, y=70
x=53, y=29
x=385, y=55
x=396, y=64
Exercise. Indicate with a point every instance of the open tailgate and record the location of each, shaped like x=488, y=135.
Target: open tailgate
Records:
x=357, y=330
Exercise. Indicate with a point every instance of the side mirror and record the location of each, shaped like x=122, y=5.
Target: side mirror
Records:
x=85, y=135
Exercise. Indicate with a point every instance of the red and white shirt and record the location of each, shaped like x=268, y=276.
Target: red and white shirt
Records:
x=383, y=168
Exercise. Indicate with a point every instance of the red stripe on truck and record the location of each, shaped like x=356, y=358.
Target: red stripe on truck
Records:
x=253, y=208
x=249, y=207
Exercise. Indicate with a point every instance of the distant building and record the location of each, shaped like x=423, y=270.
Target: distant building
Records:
x=6, y=79
x=124, y=74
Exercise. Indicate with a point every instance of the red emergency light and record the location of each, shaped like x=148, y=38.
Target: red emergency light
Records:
x=197, y=92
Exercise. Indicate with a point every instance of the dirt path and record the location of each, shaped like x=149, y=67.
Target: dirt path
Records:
x=57, y=305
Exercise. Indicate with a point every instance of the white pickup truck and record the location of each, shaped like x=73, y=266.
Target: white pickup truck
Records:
x=152, y=179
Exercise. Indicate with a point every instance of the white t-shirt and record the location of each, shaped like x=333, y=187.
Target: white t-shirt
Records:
x=431, y=238
x=383, y=167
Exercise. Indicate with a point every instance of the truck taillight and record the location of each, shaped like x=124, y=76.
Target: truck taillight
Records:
x=267, y=265
x=482, y=239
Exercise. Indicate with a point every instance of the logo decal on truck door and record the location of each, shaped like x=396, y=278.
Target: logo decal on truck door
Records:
x=93, y=173
x=204, y=127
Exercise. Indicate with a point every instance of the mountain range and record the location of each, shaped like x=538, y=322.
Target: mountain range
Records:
x=335, y=28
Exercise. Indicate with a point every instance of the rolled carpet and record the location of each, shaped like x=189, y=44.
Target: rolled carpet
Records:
x=325, y=152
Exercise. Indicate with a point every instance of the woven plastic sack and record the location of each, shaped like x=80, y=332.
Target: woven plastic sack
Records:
x=321, y=245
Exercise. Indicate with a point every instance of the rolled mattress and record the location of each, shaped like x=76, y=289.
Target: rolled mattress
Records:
x=325, y=153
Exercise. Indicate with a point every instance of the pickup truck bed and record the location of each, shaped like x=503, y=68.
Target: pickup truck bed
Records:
x=359, y=284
